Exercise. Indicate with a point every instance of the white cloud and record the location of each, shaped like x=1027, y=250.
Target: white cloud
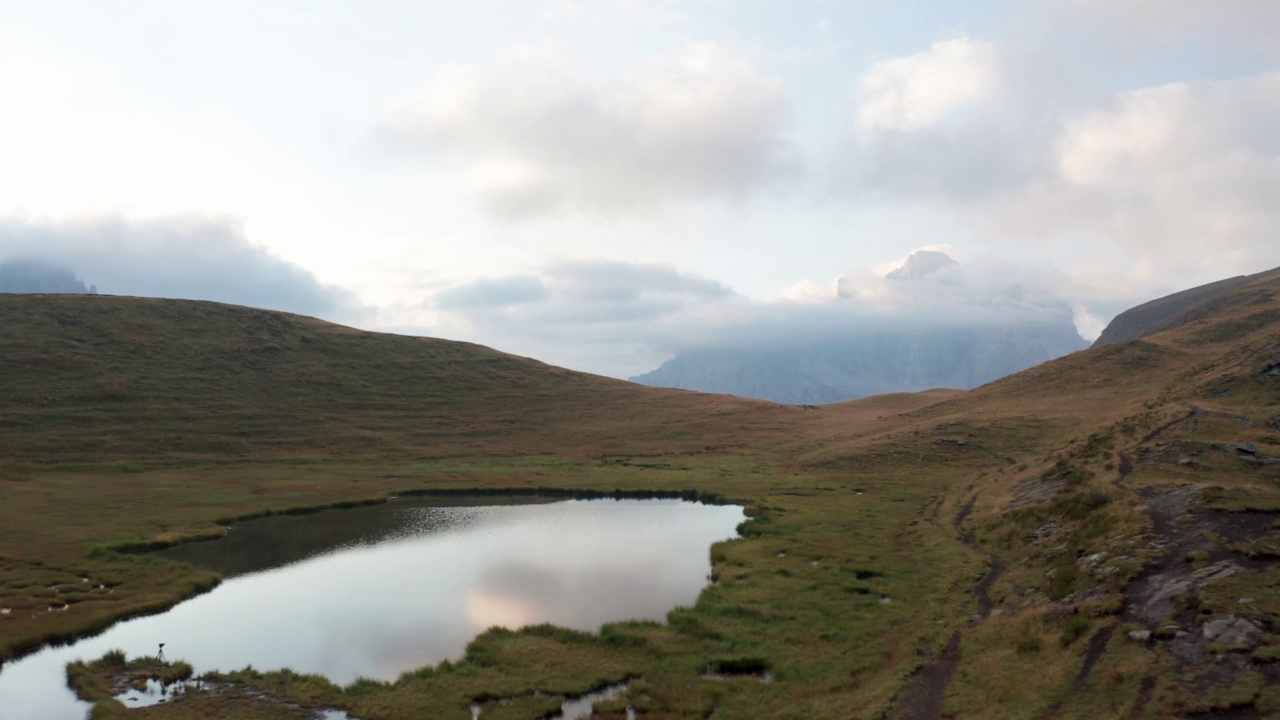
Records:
x=1235, y=21
x=1184, y=174
x=911, y=93
x=536, y=135
x=1179, y=179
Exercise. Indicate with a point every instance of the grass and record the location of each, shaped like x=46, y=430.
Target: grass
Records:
x=130, y=424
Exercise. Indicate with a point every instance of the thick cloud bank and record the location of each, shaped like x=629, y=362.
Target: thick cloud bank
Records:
x=195, y=258
x=625, y=319
x=536, y=135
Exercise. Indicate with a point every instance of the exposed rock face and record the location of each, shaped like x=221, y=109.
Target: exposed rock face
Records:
x=845, y=369
x=1165, y=313
x=1233, y=631
x=25, y=276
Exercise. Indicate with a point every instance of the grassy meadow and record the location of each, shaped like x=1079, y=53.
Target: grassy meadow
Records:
x=977, y=554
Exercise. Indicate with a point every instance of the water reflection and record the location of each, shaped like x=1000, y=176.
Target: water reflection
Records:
x=409, y=585
x=280, y=540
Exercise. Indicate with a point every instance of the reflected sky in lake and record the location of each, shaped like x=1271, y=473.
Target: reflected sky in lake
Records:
x=387, y=601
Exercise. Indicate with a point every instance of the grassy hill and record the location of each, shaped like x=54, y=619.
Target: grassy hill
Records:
x=87, y=379
x=1099, y=518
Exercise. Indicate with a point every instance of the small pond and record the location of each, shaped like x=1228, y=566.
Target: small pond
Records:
x=378, y=590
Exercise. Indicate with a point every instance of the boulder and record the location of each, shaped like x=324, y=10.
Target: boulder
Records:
x=1233, y=631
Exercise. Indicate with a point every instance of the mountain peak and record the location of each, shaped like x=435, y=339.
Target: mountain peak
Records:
x=921, y=263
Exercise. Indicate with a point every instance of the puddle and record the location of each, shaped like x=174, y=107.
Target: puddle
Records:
x=155, y=693
x=574, y=708
x=580, y=708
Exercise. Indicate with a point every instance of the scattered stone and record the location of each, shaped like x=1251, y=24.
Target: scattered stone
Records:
x=950, y=441
x=1232, y=631
x=1259, y=459
x=1217, y=571
x=1139, y=635
x=1246, y=601
x=1035, y=491
x=1272, y=370
x=1106, y=572
x=1079, y=597
x=1247, y=448
x=1160, y=595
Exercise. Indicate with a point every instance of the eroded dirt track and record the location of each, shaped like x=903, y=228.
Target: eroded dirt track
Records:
x=923, y=698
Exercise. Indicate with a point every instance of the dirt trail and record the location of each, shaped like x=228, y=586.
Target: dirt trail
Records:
x=923, y=698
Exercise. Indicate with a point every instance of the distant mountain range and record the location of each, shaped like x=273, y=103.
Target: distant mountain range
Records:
x=869, y=365
x=873, y=362
x=29, y=276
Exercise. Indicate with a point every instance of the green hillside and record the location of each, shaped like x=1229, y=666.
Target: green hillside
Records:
x=1094, y=537
x=87, y=379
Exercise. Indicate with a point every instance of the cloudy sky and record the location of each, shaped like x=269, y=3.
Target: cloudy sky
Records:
x=602, y=184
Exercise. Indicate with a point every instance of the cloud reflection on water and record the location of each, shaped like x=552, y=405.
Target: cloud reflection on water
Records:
x=392, y=602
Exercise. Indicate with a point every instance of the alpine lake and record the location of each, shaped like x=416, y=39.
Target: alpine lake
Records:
x=376, y=591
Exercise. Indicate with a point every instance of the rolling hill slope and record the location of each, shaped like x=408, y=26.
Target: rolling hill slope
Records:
x=88, y=379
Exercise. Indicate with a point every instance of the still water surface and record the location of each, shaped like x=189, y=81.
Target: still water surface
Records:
x=375, y=591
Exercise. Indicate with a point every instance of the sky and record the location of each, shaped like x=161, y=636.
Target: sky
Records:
x=601, y=185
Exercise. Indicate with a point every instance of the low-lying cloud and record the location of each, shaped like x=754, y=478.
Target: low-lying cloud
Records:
x=191, y=257
x=624, y=319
